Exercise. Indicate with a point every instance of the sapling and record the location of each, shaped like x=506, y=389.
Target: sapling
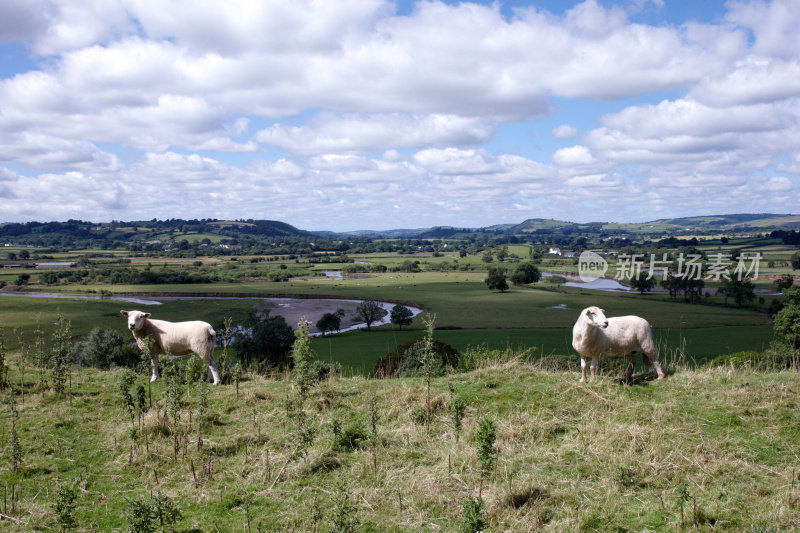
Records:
x=683, y=497
x=62, y=367
x=3, y=365
x=458, y=407
x=125, y=380
x=141, y=516
x=65, y=506
x=345, y=515
x=40, y=355
x=175, y=386
x=430, y=366
x=373, y=425
x=165, y=509
x=14, y=446
x=485, y=437
x=473, y=515
x=303, y=356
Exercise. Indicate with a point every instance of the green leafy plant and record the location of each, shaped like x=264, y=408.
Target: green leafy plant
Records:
x=344, y=516
x=458, y=407
x=485, y=437
x=64, y=506
x=62, y=351
x=303, y=357
x=473, y=515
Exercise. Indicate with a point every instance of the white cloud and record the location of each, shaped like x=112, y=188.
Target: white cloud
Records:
x=564, y=131
x=328, y=132
x=573, y=156
x=142, y=110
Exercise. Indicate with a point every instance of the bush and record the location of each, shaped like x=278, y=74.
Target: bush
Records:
x=349, y=436
x=104, y=348
x=779, y=356
x=406, y=359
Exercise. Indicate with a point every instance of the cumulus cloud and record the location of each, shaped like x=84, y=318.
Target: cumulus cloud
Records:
x=329, y=132
x=564, y=131
x=294, y=109
x=573, y=156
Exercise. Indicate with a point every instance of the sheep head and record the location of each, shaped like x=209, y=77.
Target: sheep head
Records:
x=595, y=317
x=135, y=319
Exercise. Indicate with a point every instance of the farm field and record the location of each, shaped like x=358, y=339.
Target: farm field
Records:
x=357, y=351
x=467, y=314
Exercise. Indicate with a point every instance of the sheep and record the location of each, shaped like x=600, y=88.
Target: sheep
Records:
x=595, y=336
x=175, y=338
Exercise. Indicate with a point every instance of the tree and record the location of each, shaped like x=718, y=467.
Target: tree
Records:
x=796, y=261
x=401, y=315
x=269, y=342
x=742, y=291
x=369, y=312
x=644, y=283
x=784, y=282
x=525, y=273
x=787, y=321
x=497, y=279
x=329, y=322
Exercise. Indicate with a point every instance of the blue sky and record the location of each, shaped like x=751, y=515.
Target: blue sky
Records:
x=374, y=114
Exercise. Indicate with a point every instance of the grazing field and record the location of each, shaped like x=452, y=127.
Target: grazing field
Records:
x=357, y=351
x=703, y=450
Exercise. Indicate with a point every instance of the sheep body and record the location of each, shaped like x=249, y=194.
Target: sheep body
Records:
x=595, y=336
x=175, y=338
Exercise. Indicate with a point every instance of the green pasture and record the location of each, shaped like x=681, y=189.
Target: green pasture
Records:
x=358, y=350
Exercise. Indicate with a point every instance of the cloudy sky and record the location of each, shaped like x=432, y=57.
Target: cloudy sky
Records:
x=377, y=114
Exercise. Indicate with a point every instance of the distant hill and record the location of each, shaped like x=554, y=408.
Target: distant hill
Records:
x=50, y=233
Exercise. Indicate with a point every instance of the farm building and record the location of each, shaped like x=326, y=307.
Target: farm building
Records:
x=56, y=265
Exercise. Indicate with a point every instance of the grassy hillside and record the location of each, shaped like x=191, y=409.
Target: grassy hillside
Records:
x=709, y=449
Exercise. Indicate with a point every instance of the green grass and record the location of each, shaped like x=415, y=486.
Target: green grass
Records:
x=572, y=457
x=358, y=350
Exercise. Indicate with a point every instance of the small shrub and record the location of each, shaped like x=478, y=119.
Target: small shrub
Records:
x=458, y=407
x=141, y=516
x=349, y=435
x=485, y=437
x=65, y=506
x=419, y=415
x=473, y=516
x=628, y=476
x=344, y=517
x=103, y=348
x=407, y=358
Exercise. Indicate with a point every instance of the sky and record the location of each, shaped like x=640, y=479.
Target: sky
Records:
x=378, y=114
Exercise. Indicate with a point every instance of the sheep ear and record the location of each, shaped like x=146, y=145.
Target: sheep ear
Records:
x=147, y=315
x=124, y=313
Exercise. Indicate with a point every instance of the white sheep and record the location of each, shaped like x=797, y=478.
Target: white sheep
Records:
x=175, y=338
x=595, y=336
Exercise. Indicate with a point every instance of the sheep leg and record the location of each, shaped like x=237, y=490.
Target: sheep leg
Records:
x=583, y=369
x=154, y=364
x=213, y=375
x=659, y=371
x=593, y=367
x=631, y=365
